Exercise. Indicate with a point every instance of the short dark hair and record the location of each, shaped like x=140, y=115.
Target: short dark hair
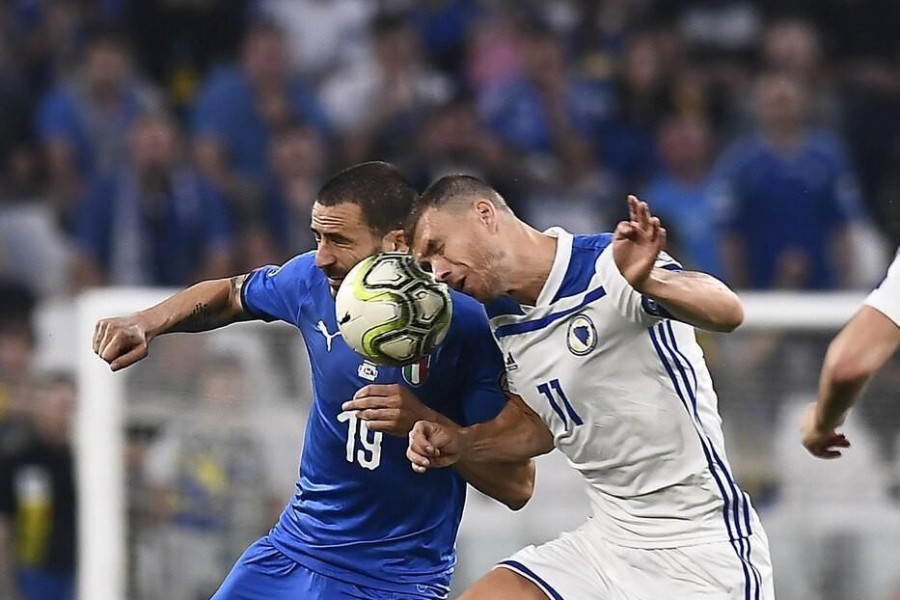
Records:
x=453, y=191
x=380, y=190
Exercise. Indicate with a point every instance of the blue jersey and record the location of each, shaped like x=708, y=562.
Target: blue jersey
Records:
x=360, y=513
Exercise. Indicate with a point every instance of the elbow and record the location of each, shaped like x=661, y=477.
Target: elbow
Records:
x=730, y=317
x=734, y=317
x=522, y=491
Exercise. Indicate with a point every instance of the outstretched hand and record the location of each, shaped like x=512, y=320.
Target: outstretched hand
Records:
x=121, y=342
x=637, y=243
x=819, y=442
x=433, y=445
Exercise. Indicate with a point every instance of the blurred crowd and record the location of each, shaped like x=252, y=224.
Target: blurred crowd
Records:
x=159, y=142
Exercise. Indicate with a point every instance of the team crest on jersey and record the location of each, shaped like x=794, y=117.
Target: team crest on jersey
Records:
x=416, y=373
x=582, y=335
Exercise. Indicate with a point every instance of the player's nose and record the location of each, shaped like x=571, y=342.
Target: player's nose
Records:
x=324, y=257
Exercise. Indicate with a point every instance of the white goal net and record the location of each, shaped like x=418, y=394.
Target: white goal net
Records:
x=188, y=457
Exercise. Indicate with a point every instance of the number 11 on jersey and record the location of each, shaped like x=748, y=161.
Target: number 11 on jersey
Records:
x=553, y=390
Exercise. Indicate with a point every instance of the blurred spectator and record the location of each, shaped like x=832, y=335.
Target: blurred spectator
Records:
x=177, y=41
x=38, y=503
x=444, y=27
x=153, y=221
x=545, y=108
x=793, y=48
x=644, y=95
x=211, y=485
x=17, y=345
x=323, y=36
x=787, y=195
x=83, y=123
x=378, y=105
x=298, y=164
x=240, y=106
x=454, y=141
x=681, y=193
x=546, y=113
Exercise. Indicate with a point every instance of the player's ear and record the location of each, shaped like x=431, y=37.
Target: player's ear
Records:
x=486, y=212
x=394, y=241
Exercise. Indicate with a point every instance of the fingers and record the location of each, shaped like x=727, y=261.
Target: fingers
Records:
x=420, y=439
x=377, y=390
x=625, y=229
x=633, y=207
x=370, y=402
x=99, y=334
x=129, y=358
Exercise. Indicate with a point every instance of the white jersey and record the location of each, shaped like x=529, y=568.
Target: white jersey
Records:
x=629, y=400
x=886, y=297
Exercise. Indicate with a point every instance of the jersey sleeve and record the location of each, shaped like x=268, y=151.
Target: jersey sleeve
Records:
x=631, y=304
x=480, y=359
x=886, y=297
x=274, y=293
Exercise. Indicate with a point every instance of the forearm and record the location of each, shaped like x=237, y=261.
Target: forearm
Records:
x=511, y=483
x=515, y=435
x=853, y=357
x=695, y=298
x=204, y=306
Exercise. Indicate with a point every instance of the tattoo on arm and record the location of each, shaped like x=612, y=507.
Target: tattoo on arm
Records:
x=199, y=319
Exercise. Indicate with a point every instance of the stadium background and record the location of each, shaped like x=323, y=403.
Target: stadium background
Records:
x=152, y=143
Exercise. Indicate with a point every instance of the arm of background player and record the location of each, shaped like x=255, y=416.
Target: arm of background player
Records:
x=201, y=307
x=516, y=434
x=858, y=351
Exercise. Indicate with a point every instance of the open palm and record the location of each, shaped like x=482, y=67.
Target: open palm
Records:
x=637, y=243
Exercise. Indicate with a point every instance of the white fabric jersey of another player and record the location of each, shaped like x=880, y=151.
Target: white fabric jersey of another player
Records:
x=628, y=398
x=886, y=297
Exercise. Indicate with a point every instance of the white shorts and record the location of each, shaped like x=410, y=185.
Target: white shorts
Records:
x=581, y=565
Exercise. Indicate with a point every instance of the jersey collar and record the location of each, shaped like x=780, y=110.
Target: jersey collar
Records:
x=560, y=265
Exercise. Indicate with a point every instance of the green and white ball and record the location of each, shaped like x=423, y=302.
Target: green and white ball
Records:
x=391, y=311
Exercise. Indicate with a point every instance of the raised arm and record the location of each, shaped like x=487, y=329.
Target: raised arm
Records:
x=692, y=297
x=516, y=434
x=122, y=341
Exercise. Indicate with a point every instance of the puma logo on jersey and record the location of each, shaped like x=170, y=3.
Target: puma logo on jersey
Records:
x=329, y=337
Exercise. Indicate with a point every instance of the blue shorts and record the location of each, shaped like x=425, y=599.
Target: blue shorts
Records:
x=264, y=573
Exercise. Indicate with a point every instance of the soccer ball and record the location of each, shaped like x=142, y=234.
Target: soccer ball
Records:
x=391, y=311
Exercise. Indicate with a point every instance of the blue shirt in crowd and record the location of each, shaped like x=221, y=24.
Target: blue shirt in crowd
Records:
x=225, y=110
x=777, y=203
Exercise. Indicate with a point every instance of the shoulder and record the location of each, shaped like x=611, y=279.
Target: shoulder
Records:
x=468, y=314
x=300, y=268
x=57, y=103
x=740, y=152
x=224, y=85
x=827, y=144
